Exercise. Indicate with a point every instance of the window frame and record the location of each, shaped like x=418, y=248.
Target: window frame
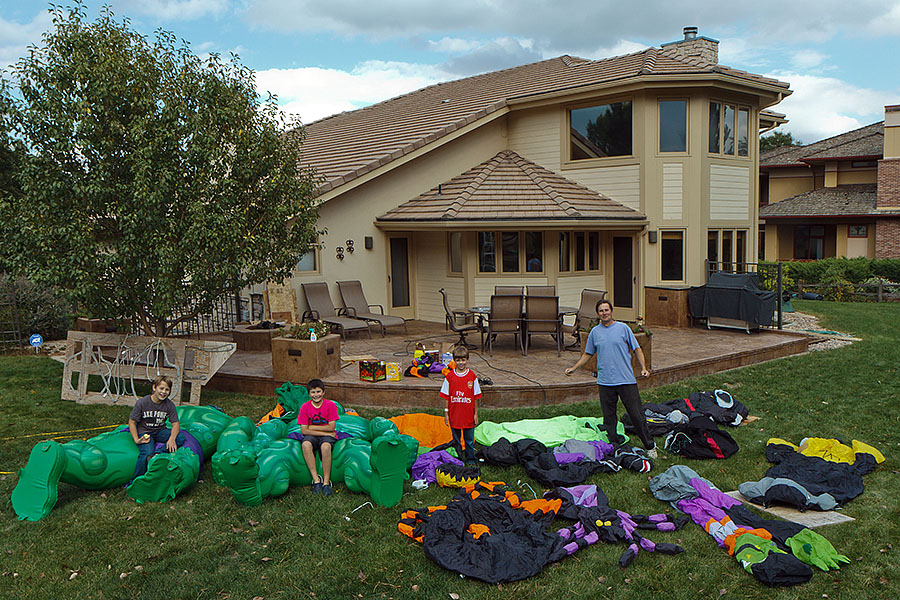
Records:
x=314, y=248
x=809, y=238
x=736, y=109
x=462, y=259
x=687, y=125
x=521, y=251
x=567, y=137
x=864, y=234
x=663, y=236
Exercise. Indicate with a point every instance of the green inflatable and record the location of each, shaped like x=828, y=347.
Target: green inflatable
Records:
x=550, y=432
x=259, y=463
x=107, y=461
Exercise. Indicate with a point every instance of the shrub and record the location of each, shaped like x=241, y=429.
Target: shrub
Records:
x=43, y=310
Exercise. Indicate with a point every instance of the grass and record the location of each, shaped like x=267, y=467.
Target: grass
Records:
x=205, y=545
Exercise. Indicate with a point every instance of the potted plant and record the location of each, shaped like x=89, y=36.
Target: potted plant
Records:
x=305, y=351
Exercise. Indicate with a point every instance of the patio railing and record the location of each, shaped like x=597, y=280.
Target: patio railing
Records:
x=770, y=276
x=227, y=310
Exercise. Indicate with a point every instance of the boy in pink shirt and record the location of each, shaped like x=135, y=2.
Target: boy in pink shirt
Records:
x=317, y=419
x=462, y=392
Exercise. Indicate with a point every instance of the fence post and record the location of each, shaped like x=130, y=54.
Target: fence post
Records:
x=880, y=290
x=779, y=296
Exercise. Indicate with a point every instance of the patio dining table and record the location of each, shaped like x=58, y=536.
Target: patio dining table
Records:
x=484, y=312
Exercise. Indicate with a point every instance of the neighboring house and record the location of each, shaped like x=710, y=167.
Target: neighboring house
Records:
x=837, y=197
x=611, y=174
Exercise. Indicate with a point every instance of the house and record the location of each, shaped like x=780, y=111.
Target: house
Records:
x=612, y=174
x=837, y=197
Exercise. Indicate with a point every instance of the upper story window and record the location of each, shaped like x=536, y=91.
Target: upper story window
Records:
x=673, y=125
x=600, y=131
x=729, y=129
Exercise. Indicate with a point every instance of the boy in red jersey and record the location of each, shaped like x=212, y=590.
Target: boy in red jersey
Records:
x=462, y=392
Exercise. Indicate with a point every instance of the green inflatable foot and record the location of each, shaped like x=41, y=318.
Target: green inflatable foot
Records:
x=36, y=492
x=168, y=474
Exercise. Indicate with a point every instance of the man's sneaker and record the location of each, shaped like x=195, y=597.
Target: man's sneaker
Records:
x=651, y=453
x=317, y=487
x=326, y=489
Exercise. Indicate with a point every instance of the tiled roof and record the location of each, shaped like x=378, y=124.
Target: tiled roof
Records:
x=508, y=187
x=843, y=200
x=350, y=144
x=865, y=141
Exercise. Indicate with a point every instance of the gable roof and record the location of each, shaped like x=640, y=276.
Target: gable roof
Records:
x=508, y=187
x=348, y=145
x=865, y=142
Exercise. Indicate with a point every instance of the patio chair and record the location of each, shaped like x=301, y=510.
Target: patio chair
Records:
x=462, y=330
x=321, y=308
x=506, y=317
x=587, y=311
x=542, y=317
x=358, y=307
x=540, y=290
x=509, y=290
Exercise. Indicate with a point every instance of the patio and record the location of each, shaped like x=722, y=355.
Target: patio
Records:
x=677, y=353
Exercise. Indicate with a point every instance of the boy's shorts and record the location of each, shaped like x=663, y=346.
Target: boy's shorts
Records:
x=318, y=440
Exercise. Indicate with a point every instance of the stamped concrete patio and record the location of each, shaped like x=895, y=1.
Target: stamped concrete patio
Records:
x=539, y=378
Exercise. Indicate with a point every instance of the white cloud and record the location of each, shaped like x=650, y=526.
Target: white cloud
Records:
x=180, y=10
x=807, y=59
x=313, y=93
x=453, y=45
x=16, y=37
x=821, y=107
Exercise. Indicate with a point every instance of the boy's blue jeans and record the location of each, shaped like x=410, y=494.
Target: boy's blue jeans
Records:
x=468, y=435
x=145, y=451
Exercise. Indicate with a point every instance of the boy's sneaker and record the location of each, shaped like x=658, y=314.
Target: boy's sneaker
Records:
x=326, y=489
x=317, y=487
x=651, y=453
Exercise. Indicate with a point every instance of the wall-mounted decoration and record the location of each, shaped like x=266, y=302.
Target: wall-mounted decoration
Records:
x=350, y=246
x=339, y=252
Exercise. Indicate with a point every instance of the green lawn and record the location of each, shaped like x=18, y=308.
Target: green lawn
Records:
x=205, y=545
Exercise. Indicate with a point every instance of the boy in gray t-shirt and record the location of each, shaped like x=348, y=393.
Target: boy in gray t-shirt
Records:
x=147, y=424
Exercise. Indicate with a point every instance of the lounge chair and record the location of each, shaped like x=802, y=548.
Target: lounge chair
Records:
x=542, y=317
x=462, y=330
x=506, y=317
x=358, y=307
x=322, y=308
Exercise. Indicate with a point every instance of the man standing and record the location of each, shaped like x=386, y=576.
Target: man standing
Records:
x=613, y=343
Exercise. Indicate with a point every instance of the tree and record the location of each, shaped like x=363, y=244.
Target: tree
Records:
x=777, y=139
x=154, y=181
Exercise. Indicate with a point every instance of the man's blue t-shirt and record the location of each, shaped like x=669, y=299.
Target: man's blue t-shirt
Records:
x=613, y=346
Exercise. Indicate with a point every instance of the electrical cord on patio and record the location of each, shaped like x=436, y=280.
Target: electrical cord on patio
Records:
x=538, y=383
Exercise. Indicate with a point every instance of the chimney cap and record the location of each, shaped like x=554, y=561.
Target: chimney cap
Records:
x=690, y=32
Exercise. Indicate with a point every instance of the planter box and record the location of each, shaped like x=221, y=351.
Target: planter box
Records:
x=298, y=361
x=251, y=339
x=643, y=341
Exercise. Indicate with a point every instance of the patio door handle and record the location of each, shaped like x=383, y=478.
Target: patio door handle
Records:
x=389, y=278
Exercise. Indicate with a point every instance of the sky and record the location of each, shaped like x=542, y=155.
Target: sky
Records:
x=322, y=57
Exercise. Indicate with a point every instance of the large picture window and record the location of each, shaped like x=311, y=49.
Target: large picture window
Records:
x=600, y=131
x=672, y=260
x=730, y=125
x=673, y=125
x=512, y=246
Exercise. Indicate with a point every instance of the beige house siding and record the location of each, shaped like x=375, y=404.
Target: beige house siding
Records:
x=788, y=182
x=622, y=183
x=673, y=191
x=484, y=285
x=430, y=250
x=534, y=134
x=729, y=193
x=569, y=287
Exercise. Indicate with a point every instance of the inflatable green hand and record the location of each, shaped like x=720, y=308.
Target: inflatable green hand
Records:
x=815, y=550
